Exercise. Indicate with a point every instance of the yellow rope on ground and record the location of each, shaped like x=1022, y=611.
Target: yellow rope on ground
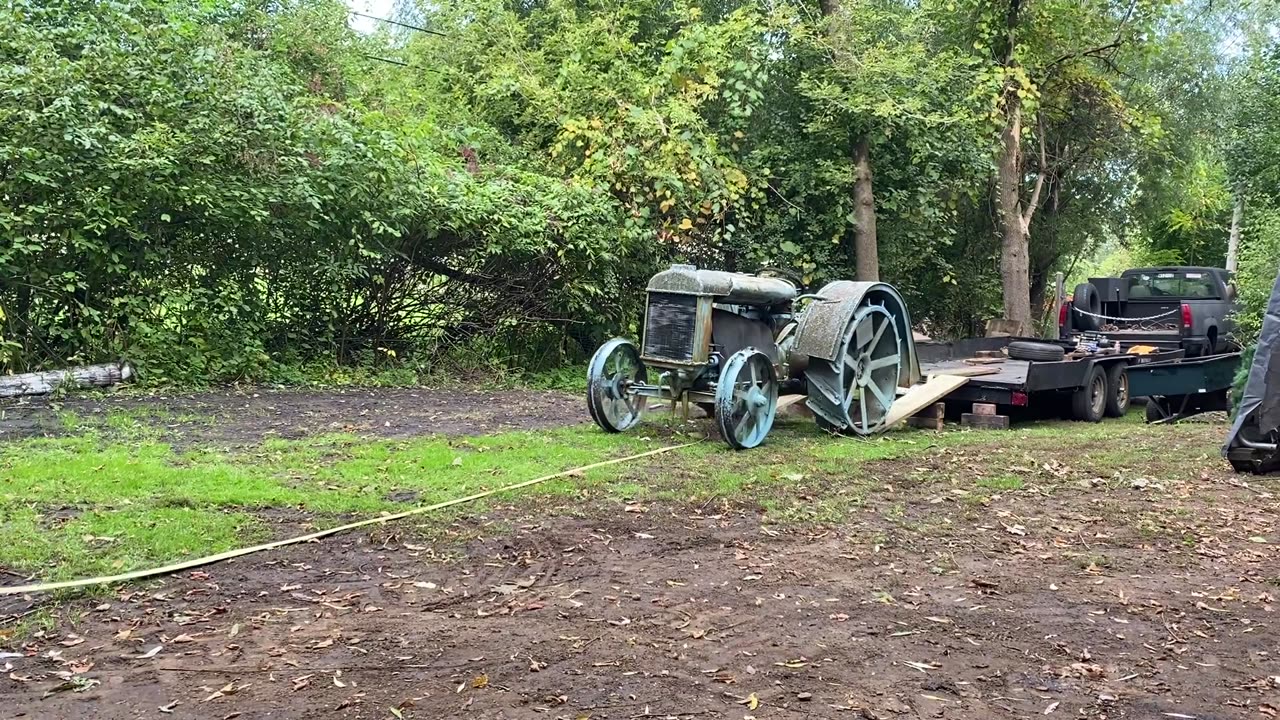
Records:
x=210, y=559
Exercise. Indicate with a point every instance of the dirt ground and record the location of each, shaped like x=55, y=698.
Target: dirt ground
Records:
x=250, y=416
x=1141, y=596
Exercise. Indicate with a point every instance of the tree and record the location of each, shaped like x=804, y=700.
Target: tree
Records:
x=1042, y=57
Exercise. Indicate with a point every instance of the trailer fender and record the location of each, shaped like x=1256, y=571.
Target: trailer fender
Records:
x=823, y=323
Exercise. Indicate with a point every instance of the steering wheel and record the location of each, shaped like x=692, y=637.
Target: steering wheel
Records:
x=796, y=278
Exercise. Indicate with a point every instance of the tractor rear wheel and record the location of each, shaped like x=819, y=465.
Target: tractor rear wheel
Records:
x=853, y=393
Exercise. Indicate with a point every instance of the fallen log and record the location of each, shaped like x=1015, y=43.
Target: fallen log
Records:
x=43, y=383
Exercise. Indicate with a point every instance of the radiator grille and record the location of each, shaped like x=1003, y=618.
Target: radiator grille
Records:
x=669, y=327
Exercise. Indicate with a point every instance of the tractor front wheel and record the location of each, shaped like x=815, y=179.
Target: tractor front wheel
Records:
x=746, y=398
x=614, y=371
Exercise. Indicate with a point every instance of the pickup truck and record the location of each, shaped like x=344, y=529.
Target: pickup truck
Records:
x=1167, y=307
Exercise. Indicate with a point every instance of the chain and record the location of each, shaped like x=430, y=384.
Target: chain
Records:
x=1125, y=319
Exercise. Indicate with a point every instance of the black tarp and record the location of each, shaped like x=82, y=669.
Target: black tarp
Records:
x=1258, y=418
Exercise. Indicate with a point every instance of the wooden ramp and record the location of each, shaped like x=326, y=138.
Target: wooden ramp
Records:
x=922, y=396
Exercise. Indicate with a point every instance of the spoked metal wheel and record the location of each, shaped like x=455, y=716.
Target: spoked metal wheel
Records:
x=854, y=393
x=746, y=398
x=614, y=370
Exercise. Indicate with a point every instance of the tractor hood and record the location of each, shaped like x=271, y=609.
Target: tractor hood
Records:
x=726, y=287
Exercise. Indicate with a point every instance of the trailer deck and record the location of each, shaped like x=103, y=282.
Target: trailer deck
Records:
x=1016, y=383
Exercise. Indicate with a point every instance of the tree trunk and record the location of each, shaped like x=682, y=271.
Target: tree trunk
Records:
x=1015, y=271
x=42, y=383
x=1233, y=240
x=866, y=251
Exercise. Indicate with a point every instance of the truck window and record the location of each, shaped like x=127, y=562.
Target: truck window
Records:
x=1175, y=284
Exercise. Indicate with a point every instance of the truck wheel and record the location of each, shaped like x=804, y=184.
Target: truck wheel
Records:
x=1089, y=402
x=1086, y=299
x=1044, y=352
x=1117, y=391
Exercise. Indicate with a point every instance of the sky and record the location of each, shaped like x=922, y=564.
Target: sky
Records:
x=378, y=8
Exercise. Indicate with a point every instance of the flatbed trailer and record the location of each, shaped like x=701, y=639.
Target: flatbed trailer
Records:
x=1086, y=388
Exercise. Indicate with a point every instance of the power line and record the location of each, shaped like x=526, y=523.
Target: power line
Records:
x=386, y=60
x=397, y=22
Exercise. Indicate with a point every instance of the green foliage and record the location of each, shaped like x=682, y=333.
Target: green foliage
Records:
x=221, y=191
x=1259, y=265
x=203, y=190
x=1253, y=153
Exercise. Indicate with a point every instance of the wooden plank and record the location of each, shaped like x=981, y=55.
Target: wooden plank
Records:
x=788, y=400
x=922, y=396
x=983, y=361
x=965, y=372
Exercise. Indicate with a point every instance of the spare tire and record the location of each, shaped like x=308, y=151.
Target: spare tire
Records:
x=1043, y=352
x=1087, y=300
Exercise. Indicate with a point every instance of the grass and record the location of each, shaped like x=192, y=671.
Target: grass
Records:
x=112, y=496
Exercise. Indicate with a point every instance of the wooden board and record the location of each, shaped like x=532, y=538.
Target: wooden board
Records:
x=788, y=400
x=922, y=396
x=984, y=361
x=966, y=372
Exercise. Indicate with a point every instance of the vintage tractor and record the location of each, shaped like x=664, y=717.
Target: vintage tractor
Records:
x=733, y=343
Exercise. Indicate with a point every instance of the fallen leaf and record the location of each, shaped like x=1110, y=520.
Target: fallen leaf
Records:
x=75, y=684
x=230, y=688
x=169, y=708
x=1052, y=706
x=149, y=654
x=480, y=681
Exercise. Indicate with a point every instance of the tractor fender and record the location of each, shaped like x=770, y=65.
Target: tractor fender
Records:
x=823, y=323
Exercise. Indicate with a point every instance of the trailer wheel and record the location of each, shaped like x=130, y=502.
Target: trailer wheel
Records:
x=1158, y=409
x=1117, y=391
x=1044, y=352
x=1089, y=402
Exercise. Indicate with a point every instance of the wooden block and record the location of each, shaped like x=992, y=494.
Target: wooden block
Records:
x=987, y=409
x=925, y=423
x=935, y=410
x=984, y=422
x=989, y=354
x=1000, y=327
